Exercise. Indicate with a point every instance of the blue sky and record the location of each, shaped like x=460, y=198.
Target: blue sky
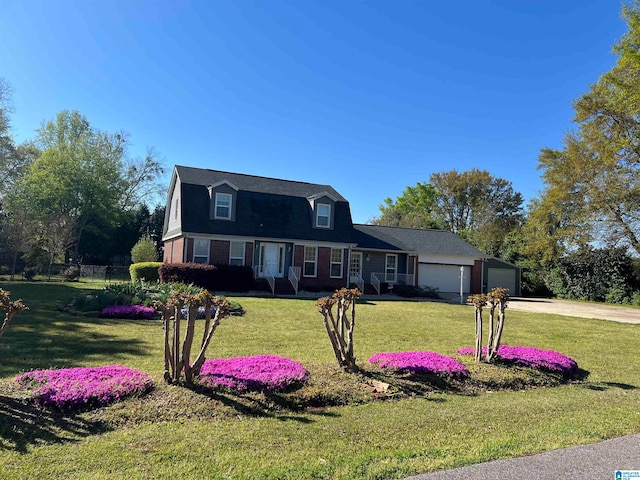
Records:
x=367, y=96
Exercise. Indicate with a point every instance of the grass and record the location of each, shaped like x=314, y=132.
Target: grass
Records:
x=204, y=434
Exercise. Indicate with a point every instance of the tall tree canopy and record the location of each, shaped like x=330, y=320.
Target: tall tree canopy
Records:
x=592, y=184
x=83, y=179
x=412, y=209
x=474, y=204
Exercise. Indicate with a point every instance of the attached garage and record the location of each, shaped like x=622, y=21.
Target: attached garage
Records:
x=499, y=273
x=446, y=278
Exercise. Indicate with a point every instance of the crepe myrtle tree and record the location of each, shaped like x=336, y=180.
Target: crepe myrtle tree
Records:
x=10, y=309
x=497, y=298
x=177, y=353
x=339, y=327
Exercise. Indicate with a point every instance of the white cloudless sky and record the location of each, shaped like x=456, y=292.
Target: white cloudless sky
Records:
x=367, y=96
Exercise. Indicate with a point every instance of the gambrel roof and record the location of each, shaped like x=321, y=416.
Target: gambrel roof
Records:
x=252, y=183
x=264, y=207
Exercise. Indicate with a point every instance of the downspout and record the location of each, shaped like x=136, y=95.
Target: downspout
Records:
x=482, y=261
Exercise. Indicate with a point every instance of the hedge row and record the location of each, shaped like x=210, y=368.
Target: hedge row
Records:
x=147, y=271
x=218, y=278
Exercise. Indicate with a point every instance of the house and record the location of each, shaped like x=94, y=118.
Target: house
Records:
x=300, y=235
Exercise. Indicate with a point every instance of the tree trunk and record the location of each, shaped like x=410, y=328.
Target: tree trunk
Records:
x=478, y=351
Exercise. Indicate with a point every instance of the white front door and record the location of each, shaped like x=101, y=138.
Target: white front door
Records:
x=272, y=259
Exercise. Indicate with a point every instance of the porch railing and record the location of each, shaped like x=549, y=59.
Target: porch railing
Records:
x=375, y=281
x=260, y=272
x=392, y=279
x=358, y=280
x=294, y=278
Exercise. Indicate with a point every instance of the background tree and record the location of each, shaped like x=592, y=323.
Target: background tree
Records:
x=84, y=176
x=413, y=209
x=474, y=204
x=144, y=250
x=592, y=184
x=477, y=206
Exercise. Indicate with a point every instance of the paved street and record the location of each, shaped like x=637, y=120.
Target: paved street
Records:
x=586, y=462
x=598, y=461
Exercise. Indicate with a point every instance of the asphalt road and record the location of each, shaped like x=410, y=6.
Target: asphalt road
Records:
x=586, y=462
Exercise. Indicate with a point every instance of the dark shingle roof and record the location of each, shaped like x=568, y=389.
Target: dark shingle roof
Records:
x=265, y=207
x=252, y=183
x=436, y=242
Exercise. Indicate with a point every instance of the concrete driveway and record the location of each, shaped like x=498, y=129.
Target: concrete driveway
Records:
x=576, y=309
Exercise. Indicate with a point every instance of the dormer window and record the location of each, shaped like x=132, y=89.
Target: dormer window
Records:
x=323, y=215
x=223, y=206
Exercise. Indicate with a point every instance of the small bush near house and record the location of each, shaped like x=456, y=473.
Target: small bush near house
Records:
x=411, y=291
x=215, y=278
x=147, y=271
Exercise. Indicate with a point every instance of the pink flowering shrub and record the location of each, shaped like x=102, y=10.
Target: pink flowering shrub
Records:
x=81, y=388
x=533, y=357
x=420, y=362
x=128, y=311
x=258, y=373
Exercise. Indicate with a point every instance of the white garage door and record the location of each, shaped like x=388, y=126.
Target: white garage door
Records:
x=446, y=278
x=503, y=278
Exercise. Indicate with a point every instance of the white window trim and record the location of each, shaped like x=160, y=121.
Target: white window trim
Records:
x=360, y=258
x=304, y=262
x=215, y=207
x=200, y=256
x=332, y=263
x=328, y=225
x=244, y=249
x=386, y=267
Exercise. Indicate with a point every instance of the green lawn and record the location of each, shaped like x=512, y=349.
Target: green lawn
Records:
x=179, y=433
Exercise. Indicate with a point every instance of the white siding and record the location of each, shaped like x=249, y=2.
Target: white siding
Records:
x=175, y=217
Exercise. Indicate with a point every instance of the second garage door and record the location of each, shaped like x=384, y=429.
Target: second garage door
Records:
x=446, y=278
x=502, y=277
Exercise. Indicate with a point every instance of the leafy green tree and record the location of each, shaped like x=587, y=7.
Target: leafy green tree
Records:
x=84, y=176
x=592, y=184
x=594, y=274
x=412, y=209
x=474, y=204
x=144, y=250
x=477, y=206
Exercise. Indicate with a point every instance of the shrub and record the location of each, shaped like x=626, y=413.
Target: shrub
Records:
x=220, y=278
x=635, y=299
x=82, y=388
x=533, y=357
x=411, y=291
x=128, y=311
x=144, y=250
x=71, y=273
x=420, y=362
x=145, y=271
x=4, y=270
x=29, y=273
x=258, y=373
